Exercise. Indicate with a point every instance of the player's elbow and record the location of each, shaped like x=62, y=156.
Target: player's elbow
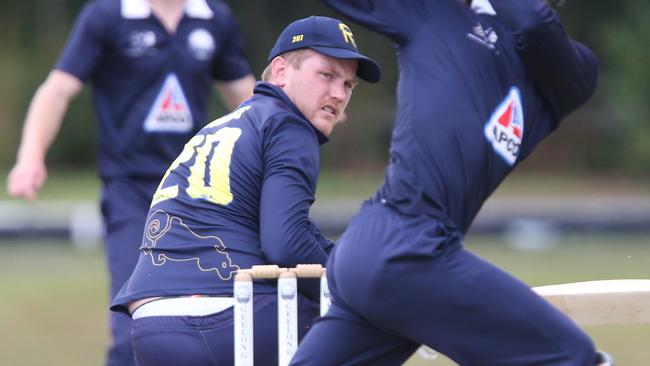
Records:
x=288, y=252
x=279, y=250
x=579, y=88
x=587, y=87
x=279, y=256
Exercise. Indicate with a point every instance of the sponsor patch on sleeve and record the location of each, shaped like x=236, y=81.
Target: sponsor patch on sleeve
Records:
x=505, y=128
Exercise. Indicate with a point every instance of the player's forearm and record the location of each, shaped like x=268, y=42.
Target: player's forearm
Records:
x=287, y=234
x=522, y=15
x=292, y=243
x=235, y=92
x=42, y=124
x=395, y=19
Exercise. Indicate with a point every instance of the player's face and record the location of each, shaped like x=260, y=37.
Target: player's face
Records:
x=321, y=87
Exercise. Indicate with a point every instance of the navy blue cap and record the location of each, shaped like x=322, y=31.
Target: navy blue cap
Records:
x=328, y=36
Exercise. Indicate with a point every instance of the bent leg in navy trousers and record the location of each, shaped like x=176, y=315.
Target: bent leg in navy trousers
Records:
x=400, y=281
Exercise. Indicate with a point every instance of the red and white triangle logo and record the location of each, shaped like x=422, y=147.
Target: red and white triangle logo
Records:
x=170, y=112
x=505, y=129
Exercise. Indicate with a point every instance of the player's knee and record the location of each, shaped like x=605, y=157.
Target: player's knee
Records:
x=582, y=350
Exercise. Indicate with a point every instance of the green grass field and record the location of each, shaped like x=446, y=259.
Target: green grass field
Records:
x=84, y=184
x=53, y=302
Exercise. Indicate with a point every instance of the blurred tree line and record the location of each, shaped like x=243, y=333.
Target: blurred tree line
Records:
x=610, y=134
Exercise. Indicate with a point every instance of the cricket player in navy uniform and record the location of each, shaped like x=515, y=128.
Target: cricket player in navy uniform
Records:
x=479, y=87
x=239, y=195
x=151, y=64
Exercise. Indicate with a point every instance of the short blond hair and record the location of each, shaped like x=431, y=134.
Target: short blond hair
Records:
x=295, y=58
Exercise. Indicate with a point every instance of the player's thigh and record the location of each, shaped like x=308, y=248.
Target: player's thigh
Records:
x=380, y=245
x=124, y=206
x=340, y=338
x=410, y=275
x=477, y=314
x=125, y=199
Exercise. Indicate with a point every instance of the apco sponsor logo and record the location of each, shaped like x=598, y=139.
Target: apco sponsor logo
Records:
x=505, y=129
x=170, y=112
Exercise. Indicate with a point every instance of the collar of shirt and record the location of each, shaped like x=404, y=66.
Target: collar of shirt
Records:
x=140, y=9
x=483, y=7
x=271, y=90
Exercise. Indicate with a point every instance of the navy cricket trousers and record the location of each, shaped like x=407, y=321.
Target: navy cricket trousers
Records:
x=125, y=204
x=399, y=281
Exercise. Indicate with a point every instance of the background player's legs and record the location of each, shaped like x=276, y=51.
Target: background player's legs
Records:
x=125, y=204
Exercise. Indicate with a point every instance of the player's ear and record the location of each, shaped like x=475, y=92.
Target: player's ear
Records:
x=279, y=67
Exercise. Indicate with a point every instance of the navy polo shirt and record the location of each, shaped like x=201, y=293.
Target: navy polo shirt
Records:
x=238, y=195
x=151, y=88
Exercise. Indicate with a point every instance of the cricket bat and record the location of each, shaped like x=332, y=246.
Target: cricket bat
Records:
x=601, y=302
x=605, y=302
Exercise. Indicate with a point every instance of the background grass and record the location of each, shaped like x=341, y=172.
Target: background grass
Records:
x=75, y=184
x=53, y=304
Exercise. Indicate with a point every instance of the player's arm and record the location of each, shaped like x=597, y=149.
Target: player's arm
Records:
x=234, y=78
x=323, y=241
x=288, y=236
x=565, y=70
x=395, y=19
x=42, y=124
x=235, y=92
x=51, y=101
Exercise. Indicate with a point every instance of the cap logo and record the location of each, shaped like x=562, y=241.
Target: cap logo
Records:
x=347, y=34
x=297, y=38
